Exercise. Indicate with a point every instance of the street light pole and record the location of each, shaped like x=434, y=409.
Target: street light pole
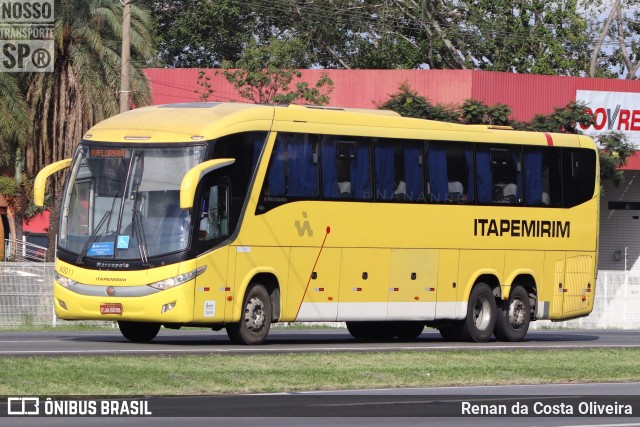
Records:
x=125, y=83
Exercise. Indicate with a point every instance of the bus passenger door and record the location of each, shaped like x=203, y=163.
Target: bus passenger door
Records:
x=413, y=284
x=319, y=287
x=212, y=228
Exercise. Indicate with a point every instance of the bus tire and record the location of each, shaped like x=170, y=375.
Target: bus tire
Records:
x=139, y=331
x=480, y=322
x=407, y=330
x=514, y=316
x=371, y=331
x=255, y=319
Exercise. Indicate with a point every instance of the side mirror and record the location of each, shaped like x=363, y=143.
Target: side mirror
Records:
x=39, y=184
x=193, y=177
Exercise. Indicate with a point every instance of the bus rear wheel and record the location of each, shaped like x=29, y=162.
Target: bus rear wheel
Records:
x=255, y=320
x=139, y=331
x=480, y=322
x=514, y=316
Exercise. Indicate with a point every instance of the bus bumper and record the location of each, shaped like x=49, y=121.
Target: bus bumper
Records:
x=173, y=305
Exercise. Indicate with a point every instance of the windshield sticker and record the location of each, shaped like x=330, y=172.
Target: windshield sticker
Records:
x=123, y=242
x=100, y=249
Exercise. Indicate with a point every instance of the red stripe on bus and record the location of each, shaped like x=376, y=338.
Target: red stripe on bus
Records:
x=549, y=139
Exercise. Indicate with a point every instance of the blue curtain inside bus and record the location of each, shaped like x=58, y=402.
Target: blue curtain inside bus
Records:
x=413, y=172
x=360, y=173
x=329, y=168
x=533, y=177
x=277, y=171
x=438, y=175
x=303, y=171
x=384, y=162
x=483, y=169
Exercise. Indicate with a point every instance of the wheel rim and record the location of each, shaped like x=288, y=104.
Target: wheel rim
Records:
x=517, y=313
x=482, y=313
x=255, y=314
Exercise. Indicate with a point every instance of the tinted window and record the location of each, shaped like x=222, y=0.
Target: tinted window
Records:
x=293, y=169
x=578, y=175
x=346, y=167
x=542, y=176
x=499, y=177
x=398, y=170
x=450, y=173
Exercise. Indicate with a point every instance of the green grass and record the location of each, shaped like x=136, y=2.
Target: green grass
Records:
x=195, y=374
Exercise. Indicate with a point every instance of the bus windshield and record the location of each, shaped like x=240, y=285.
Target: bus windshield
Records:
x=124, y=202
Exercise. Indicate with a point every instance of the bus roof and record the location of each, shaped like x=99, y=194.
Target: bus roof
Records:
x=199, y=121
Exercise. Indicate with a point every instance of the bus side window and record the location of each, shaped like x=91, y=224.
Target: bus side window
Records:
x=398, y=170
x=499, y=174
x=214, y=213
x=578, y=175
x=293, y=169
x=450, y=172
x=542, y=176
x=346, y=167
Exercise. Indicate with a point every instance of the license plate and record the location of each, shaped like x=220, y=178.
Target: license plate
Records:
x=111, y=308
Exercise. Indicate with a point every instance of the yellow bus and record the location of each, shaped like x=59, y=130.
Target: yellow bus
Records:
x=230, y=215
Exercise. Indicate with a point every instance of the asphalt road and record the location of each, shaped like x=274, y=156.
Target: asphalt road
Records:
x=282, y=340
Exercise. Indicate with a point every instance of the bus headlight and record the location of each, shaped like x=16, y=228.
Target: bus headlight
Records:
x=64, y=281
x=165, y=284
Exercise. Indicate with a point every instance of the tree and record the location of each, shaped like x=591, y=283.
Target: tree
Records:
x=264, y=75
x=200, y=33
x=83, y=89
x=14, y=134
x=500, y=35
x=616, y=151
x=409, y=103
x=616, y=52
x=14, y=119
x=563, y=119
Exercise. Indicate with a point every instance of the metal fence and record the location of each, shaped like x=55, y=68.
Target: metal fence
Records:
x=26, y=294
x=22, y=251
x=26, y=298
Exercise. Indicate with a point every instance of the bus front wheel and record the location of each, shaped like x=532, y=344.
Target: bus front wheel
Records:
x=514, y=316
x=480, y=322
x=139, y=331
x=255, y=319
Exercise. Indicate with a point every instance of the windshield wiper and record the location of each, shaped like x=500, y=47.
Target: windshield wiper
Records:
x=138, y=229
x=94, y=234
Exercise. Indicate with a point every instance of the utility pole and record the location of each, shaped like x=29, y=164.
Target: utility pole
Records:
x=125, y=83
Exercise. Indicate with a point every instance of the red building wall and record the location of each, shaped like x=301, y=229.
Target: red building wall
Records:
x=526, y=94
